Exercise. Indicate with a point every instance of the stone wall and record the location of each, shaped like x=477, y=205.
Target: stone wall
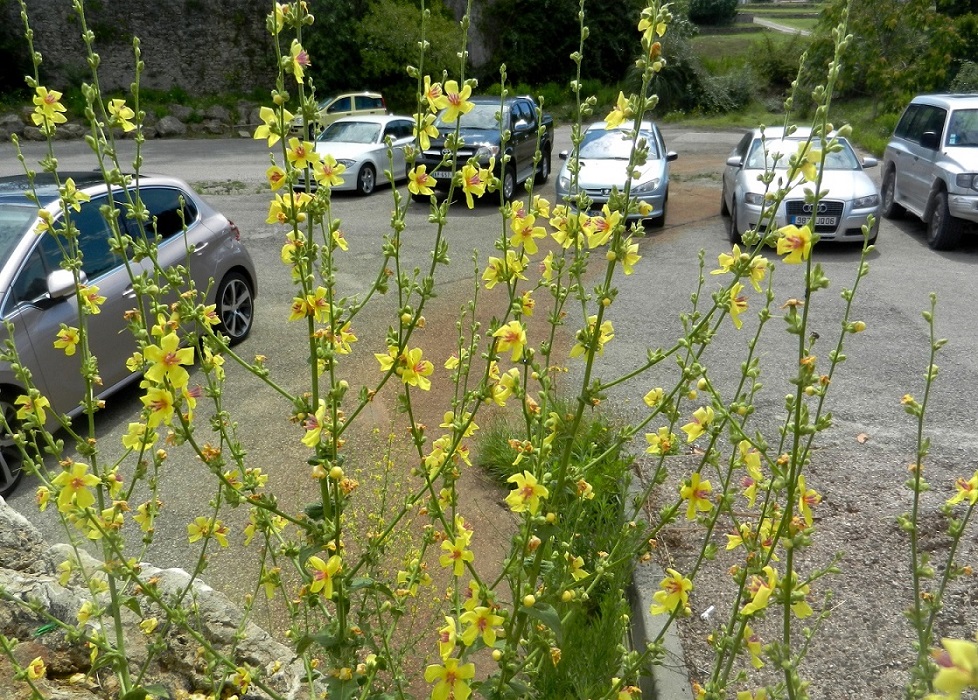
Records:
x=201, y=46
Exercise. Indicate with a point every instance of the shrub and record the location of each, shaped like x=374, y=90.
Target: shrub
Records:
x=713, y=12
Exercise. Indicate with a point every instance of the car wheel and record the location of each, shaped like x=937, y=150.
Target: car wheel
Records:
x=543, y=172
x=890, y=209
x=508, y=185
x=943, y=230
x=235, y=307
x=11, y=460
x=733, y=232
x=366, y=179
x=660, y=221
x=724, y=210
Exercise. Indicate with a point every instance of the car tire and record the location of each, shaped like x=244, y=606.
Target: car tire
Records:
x=943, y=230
x=421, y=198
x=543, y=170
x=733, y=233
x=235, y=306
x=724, y=210
x=660, y=221
x=507, y=185
x=366, y=179
x=889, y=208
x=11, y=460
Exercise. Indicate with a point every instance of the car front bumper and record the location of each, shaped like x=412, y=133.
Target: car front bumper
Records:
x=839, y=223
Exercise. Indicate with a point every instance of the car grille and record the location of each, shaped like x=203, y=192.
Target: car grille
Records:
x=796, y=207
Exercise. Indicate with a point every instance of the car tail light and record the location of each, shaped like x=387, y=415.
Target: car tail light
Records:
x=235, y=231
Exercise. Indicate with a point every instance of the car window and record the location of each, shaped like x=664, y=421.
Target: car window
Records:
x=522, y=111
x=168, y=209
x=932, y=119
x=844, y=159
x=31, y=282
x=364, y=102
x=351, y=132
x=94, y=235
x=481, y=116
x=905, y=125
x=343, y=104
x=962, y=129
x=14, y=221
x=613, y=144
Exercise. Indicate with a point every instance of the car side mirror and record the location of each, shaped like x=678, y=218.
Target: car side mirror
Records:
x=61, y=284
x=930, y=139
x=521, y=125
x=563, y=155
x=735, y=161
x=671, y=156
x=870, y=162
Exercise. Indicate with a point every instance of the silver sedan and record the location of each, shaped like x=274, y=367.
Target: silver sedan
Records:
x=849, y=195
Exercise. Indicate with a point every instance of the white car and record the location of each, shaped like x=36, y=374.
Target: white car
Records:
x=604, y=156
x=360, y=144
x=849, y=194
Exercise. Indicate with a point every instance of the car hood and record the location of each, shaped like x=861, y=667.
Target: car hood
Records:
x=964, y=158
x=608, y=172
x=836, y=184
x=345, y=151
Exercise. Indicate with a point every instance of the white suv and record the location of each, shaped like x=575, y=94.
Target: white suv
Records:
x=930, y=166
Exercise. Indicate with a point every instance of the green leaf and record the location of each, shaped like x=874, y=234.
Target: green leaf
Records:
x=341, y=690
x=548, y=616
x=133, y=604
x=140, y=693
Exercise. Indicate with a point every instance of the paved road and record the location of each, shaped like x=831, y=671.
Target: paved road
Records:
x=886, y=361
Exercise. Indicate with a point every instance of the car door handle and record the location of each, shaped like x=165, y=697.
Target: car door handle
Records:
x=199, y=247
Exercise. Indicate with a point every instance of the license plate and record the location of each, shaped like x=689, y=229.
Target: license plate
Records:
x=442, y=174
x=819, y=220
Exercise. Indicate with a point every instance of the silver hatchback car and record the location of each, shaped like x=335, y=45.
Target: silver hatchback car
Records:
x=37, y=296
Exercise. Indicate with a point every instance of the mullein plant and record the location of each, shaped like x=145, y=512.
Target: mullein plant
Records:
x=345, y=599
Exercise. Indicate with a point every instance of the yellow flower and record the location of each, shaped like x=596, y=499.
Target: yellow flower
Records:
x=299, y=60
x=806, y=499
x=451, y=680
x=67, y=339
x=42, y=497
x=456, y=554
x=966, y=490
x=454, y=101
x=474, y=181
x=506, y=386
x=32, y=408
x=673, y=593
x=753, y=644
x=737, y=304
x=316, y=425
x=424, y=130
x=576, y=566
x=271, y=128
x=145, y=513
x=120, y=114
x=512, y=336
x=619, y=113
x=36, y=668
x=71, y=196
x=630, y=258
x=275, y=176
x=48, y=109
x=85, y=612
x=433, y=94
x=524, y=233
x=702, y=417
x=586, y=337
x=160, y=402
x=649, y=27
x=796, y=242
x=760, y=589
x=420, y=182
x=482, y=622
x=327, y=171
x=204, y=527
x=414, y=370
x=807, y=159
x=91, y=301
x=74, y=483
x=957, y=666
x=446, y=637
x=148, y=626
x=301, y=154
x=323, y=574
x=602, y=227
x=697, y=492
x=166, y=360
x=527, y=494
x=661, y=442
x=654, y=397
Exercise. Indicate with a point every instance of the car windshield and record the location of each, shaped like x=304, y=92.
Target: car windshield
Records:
x=613, y=144
x=14, y=222
x=481, y=116
x=839, y=160
x=351, y=132
x=962, y=130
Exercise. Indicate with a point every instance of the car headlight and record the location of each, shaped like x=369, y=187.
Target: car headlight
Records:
x=647, y=186
x=563, y=181
x=346, y=162
x=872, y=200
x=967, y=181
x=755, y=198
x=486, y=151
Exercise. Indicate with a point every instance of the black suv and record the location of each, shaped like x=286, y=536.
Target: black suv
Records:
x=479, y=130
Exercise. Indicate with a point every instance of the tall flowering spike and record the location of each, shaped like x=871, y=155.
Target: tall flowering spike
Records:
x=451, y=680
x=697, y=494
x=455, y=101
x=527, y=494
x=673, y=594
x=796, y=242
